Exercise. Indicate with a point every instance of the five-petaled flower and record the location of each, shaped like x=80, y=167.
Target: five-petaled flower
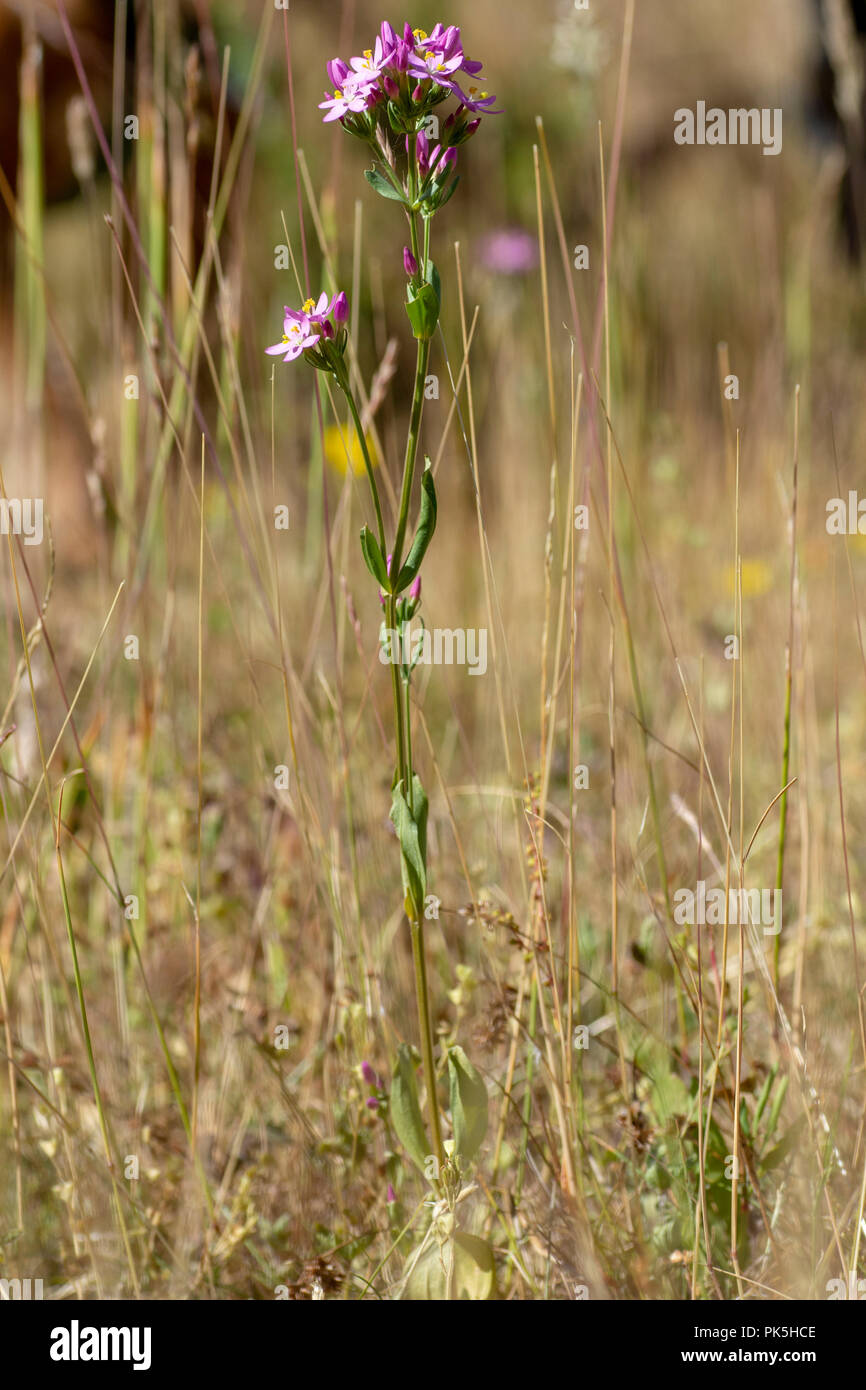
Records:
x=304, y=328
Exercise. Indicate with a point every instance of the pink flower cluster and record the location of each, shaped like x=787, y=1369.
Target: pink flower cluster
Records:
x=413, y=64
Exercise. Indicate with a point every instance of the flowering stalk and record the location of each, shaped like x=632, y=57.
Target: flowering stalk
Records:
x=387, y=98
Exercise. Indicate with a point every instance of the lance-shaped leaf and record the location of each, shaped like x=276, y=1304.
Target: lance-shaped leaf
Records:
x=423, y=311
x=420, y=806
x=405, y=1109
x=468, y=1104
x=383, y=186
x=424, y=534
x=442, y=198
x=431, y=275
x=412, y=834
x=374, y=559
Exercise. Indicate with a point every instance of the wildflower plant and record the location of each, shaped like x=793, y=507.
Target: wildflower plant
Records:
x=389, y=98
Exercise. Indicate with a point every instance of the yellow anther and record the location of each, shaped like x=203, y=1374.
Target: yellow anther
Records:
x=309, y=306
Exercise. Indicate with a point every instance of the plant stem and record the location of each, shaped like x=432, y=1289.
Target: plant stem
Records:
x=414, y=909
x=411, y=449
x=424, y=1022
x=399, y=731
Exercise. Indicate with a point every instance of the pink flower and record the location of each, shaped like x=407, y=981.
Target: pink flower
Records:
x=436, y=58
x=510, y=251
x=297, y=336
x=439, y=57
x=304, y=328
x=352, y=95
x=369, y=1075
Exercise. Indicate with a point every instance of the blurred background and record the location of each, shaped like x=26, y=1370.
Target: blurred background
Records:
x=136, y=301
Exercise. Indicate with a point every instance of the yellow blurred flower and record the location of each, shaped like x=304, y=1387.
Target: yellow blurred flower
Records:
x=343, y=449
x=757, y=578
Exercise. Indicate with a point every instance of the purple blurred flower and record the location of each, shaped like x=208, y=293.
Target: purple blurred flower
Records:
x=390, y=1195
x=369, y=1074
x=372, y=1103
x=510, y=251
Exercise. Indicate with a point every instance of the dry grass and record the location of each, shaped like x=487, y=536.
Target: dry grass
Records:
x=269, y=958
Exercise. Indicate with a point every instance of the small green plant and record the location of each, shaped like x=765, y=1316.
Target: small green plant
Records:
x=388, y=98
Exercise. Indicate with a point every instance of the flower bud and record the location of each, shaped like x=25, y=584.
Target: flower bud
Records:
x=410, y=265
x=418, y=93
x=338, y=71
x=415, y=590
x=341, y=308
x=390, y=87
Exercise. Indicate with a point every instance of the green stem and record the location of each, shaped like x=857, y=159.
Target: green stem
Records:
x=409, y=767
x=411, y=450
x=414, y=909
x=398, y=700
x=423, y=996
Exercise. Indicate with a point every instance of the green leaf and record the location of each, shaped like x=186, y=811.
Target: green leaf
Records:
x=374, y=559
x=670, y=1097
x=423, y=311
x=448, y=194
x=421, y=805
x=412, y=834
x=424, y=534
x=474, y=1271
x=786, y=1144
x=431, y=275
x=468, y=1104
x=405, y=1109
x=383, y=186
